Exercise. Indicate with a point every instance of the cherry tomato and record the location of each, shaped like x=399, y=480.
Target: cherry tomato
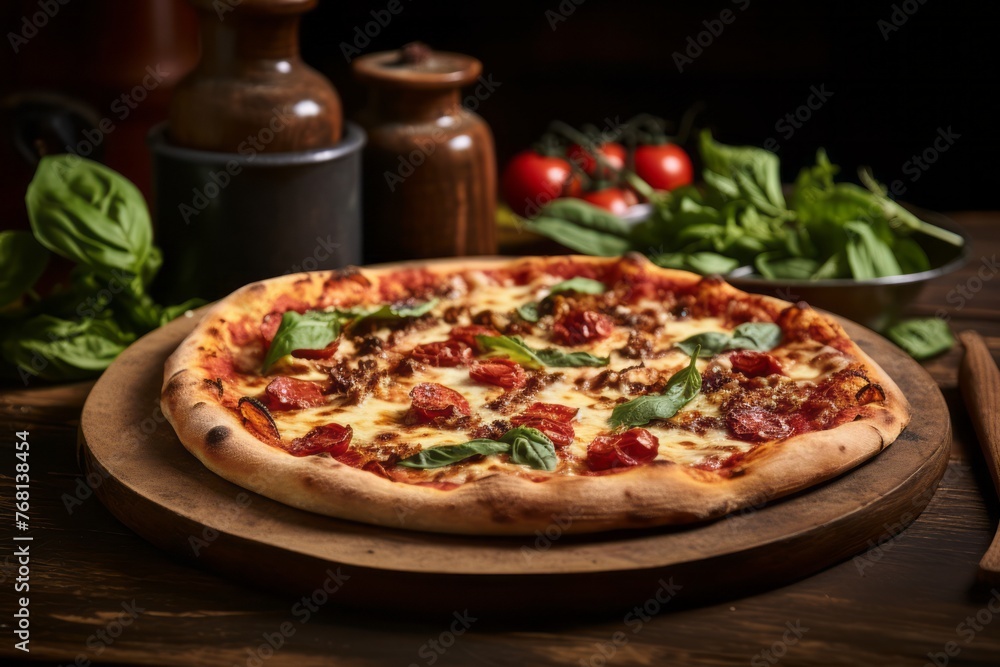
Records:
x=559, y=433
x=467, y=334
x=531, y=180
x=613, y=154
x=331, y=438
x=755, y=364
x=582, y=326
x=498, y=372
x=442, y=353
x=663, y=166
x=615, y=200
x=432, y=401
x=553, y=411
x=285, y=393
x=631, y=448
x=757, y=424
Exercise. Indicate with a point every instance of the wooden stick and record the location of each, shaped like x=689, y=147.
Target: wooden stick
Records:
x=979, y=380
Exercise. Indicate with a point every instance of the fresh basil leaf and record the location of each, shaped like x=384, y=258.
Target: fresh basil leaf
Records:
x=517, y=350
x=586, y=215
x=759, y=336
x=529, y=311
x=558, y=359
x=755, y=172
x=510, y=346
x=579, y=284
x=710, y=263
x=773, y=267
x=911, y=257
x=61, y=350
x=867, y=254
x=89, y=214
x=922, y=338
x=445, y=455
x=22, y=262
x=682, y=387
x=581, y=239
x=390, y=312
x=531, y=447
x=709, y=343
x=312, y=330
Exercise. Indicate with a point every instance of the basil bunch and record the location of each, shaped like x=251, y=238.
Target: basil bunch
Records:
x=526, y=446
x=740, y=217
x=96, y=218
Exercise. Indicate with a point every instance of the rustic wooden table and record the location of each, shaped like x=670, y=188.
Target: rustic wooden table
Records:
x=101, y=595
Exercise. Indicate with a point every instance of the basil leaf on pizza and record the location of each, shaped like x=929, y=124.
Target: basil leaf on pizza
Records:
x=519, y=351
x=512, y=347
x=529, y=312
x=682, y=387
x=445, y=455
x=559, y=359
x=580, y=285
x=312, y=330
x=392, y=312
x=758, y=336
x=531, y=447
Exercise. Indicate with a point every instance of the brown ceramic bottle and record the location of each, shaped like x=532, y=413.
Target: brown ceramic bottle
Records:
x=251, y=92
x=429, y=166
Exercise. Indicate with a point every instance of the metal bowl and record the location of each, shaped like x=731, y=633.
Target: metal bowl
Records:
x=873, y=303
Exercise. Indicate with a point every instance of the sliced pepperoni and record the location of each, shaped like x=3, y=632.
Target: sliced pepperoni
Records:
x=377, y=468
x=755, y=364
x=325, y=353
x=634, y=447
x=333, y=439
x=582, y=326
x=431, y=401
x=443, y=353
x=258, y=419
x=553, y=411
x=757, y=424
x=499, y=373
x=467, y=334
x=559, y=433
x=285, y=393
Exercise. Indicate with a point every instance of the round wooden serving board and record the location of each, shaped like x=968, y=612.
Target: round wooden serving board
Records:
x=153, y=485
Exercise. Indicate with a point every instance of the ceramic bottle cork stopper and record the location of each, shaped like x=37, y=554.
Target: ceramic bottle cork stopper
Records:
x=251, y=91
x=429, y=167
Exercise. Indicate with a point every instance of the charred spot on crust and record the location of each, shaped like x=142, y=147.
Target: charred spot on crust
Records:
x=216, y=384
x=183, y=370
x=256, y=287
x=173, y=386
x=217, y=435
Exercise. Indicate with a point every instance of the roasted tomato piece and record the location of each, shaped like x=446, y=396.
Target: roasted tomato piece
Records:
x=553, y=411
x=377, y=468
x=285, y=393
x=631, y=448
x=582, y=326
x=757, y=424
x=467, y=334
x=559, y=433
x=324, y=353
x=269, y=325
x=870, y=393
x=755, y=364
x=498, y=372
x=333, y=439
x=431, y=401
x=442, y=353
x=257, y=418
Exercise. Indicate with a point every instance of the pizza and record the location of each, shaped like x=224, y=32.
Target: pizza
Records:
x=497, y=396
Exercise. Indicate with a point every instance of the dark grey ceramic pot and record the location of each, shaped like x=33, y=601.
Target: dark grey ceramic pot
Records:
x=227, y=219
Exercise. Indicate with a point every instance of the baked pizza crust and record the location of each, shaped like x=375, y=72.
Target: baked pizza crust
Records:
x=658, y=493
